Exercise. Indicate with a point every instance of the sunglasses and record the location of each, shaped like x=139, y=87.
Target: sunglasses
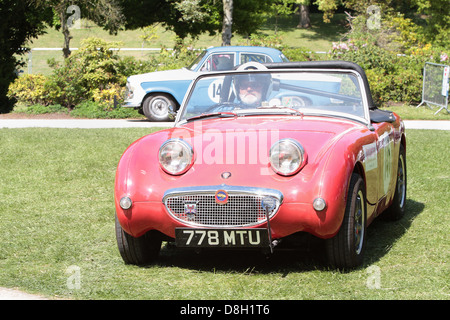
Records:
x=250, y=84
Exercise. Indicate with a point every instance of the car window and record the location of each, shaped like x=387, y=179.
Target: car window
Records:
x=331, y=93
x=254, y=57
x=219, y=62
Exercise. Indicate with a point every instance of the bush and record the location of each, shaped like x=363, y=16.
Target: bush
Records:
x=128, y=66
x=92, y=67
x=392, y=77
x=180, y=57
x=97, y=110
x=41, y=109
x=65, y=85
x=112, y=93
x=300, y=54
x=29, y=89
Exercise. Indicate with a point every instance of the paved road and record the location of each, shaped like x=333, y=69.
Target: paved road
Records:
x=80, y=123
x=432, y=125
x=12, y=294
x=92, y=124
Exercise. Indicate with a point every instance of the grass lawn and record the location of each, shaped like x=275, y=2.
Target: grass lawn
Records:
x=57, y=216
x=424, y=112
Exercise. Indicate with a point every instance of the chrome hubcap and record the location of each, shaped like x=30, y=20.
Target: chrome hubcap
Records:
x=159, y=107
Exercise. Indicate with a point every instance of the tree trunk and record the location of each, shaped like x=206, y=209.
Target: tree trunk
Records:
x=305, y=21
x=227, y=22
x=66, y=33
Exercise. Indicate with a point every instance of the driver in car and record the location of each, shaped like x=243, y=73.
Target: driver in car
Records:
x=252, y=89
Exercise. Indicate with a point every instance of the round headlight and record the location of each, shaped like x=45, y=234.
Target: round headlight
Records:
x=176, y=156
x=286, y=157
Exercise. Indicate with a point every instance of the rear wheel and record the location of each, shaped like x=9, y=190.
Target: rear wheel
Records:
x=397, y=209
x=156, y=107
x=139, y=251
x=346, y=248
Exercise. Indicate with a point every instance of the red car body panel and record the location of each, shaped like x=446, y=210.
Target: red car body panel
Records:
x=240, y=145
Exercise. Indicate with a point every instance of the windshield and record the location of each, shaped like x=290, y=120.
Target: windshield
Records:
x=334, y=93
x=197, y=60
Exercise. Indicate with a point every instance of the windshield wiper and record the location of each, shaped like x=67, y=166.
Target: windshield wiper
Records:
x=292, y=110
x=213, y=114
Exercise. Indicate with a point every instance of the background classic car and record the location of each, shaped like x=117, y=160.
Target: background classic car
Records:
x=154, y=92
x=309, y=153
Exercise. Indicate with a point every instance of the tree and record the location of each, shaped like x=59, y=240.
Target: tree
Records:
x=20, y=21
x=437, y=14
x=304, y=21
x=281, y=8
x=227, y=22
x=328, y=7
x=106, y=13
x=249, y=15
x=194, y=17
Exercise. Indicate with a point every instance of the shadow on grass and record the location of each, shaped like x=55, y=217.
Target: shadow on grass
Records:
x=382, y=234
x=283, y=260
x=307, y=255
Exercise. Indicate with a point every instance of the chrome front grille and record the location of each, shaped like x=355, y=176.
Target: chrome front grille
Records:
x=198, y=206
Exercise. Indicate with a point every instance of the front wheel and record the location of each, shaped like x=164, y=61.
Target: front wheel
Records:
x=156, y=107
x=346, y=248
x=138, y=251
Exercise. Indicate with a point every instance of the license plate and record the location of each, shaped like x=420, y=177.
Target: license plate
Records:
x=233, y=238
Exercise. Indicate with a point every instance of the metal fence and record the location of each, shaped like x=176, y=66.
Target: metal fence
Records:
x=435, y=85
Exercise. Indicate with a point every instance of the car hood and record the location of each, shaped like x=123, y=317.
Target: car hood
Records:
x=316, y=134
x=166, y=75
x=241, y=147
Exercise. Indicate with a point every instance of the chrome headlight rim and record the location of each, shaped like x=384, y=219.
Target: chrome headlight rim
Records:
x=186, y=148
x=300, y=151
x=129, y=91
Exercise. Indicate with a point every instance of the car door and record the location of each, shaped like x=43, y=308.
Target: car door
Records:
x=385, y=151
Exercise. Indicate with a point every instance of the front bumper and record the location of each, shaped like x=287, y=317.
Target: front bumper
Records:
x=131, y=104
x=244, y=207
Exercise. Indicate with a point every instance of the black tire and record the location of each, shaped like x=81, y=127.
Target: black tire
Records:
x=138, y=251
x=346, y=249
x=156, y=107
x=397, y=208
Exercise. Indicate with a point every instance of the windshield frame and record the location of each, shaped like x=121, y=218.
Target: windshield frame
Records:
x=194, y=64
x=273, y=111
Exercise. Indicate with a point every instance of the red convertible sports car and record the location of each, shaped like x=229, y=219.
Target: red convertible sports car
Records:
x=262, y=154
